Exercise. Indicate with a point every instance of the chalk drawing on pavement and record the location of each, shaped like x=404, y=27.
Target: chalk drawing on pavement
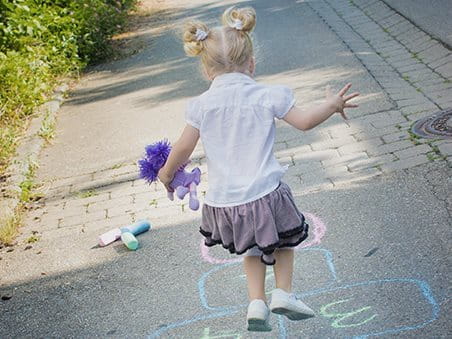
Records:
x=339, y=305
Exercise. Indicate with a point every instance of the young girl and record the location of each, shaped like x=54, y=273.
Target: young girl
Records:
x=247, y=207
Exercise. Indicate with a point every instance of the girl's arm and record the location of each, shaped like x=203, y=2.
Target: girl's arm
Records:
x=309, y=118
x=179, y=155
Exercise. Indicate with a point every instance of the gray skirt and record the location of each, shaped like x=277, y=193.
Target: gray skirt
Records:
x=268, y=223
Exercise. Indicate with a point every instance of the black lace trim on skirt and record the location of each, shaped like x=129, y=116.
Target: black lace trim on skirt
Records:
x=304, y=227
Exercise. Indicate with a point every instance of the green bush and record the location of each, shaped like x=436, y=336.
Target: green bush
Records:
x=42, y=41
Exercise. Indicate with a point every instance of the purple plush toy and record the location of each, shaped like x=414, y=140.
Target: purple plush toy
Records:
x=184, y=182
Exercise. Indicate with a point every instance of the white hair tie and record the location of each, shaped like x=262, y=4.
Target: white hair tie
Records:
x=201, y=35
x=238, y=24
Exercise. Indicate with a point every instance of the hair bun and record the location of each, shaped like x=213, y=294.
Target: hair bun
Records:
x=193, y=40
x=242, y=19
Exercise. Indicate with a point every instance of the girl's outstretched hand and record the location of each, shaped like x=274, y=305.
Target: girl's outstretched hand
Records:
x=340, y=100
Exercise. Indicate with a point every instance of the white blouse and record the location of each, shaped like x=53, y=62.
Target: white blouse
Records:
x=235, y=118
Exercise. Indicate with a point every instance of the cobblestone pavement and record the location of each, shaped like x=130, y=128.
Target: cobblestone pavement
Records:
x=414, y=72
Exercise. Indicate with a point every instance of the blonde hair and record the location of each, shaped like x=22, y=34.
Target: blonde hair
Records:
x=223, y=49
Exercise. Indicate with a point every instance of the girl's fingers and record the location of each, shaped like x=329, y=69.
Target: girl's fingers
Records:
x=351, y=96
x=351, y=106
x=343, y=115
x=345, y=89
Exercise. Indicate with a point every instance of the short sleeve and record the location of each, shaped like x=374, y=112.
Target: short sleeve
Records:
x=193, y=113
x=280, y=100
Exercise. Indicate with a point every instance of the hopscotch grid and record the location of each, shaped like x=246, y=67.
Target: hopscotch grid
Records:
x=319, y=231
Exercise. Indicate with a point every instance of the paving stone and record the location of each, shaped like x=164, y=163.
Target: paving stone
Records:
x=144, y=205
x=392, y=21
x=314, y=184
x=383, y=70
x=445, y=70
x=355, y=176
x=119, y=210
x=332, y=143
x=400, y=28
x=304, y=168
x=366, y=135
x=79, y=201
x=372, y=162
x=403, y=96
x=108, y=224
x=69, y=212
x=286, y=161
x=53, y=207
x=420, y=39
x=444, y=86
x=315, y=156
x=413, y=101
x=341, y=132
x=403, y=135
x=446, y=148
x=389, y=148
x=155, y=195
x=413, y=151
x=378, y=10
x=412, y=68
x=403, y=62
x=47, y=221
x=359, y=146
x=336, y=171
x=389, y=119
x=444, y=103
x=82, y=218
x=388, y=20
x=292, y=150
x=433, y=53
x=59, y=192
x=287, y=134
x=423, y=46
x=405, y=163
x=345, y=159
x=421, y=115
x=279, y=146
x=408, y=110
x=107, y=204
x=399, y=52
x=419, y=76
x=439, y=94
x=440, y=62
x=412, y=34
x=435, y=81
x=128, y=189
x=406, y=57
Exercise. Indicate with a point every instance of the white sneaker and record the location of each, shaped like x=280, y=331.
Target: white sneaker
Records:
x=257, y=316
x=287, y=304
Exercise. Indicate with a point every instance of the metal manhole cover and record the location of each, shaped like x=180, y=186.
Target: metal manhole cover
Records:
x=438, y=126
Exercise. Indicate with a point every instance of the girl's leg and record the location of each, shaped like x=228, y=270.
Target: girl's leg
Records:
x=255, y=276
x=283, y=268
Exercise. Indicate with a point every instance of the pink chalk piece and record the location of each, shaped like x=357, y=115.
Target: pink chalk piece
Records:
x=109, y=237
x=318, y=230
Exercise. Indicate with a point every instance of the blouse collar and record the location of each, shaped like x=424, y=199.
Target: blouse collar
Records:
x=231, y=78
